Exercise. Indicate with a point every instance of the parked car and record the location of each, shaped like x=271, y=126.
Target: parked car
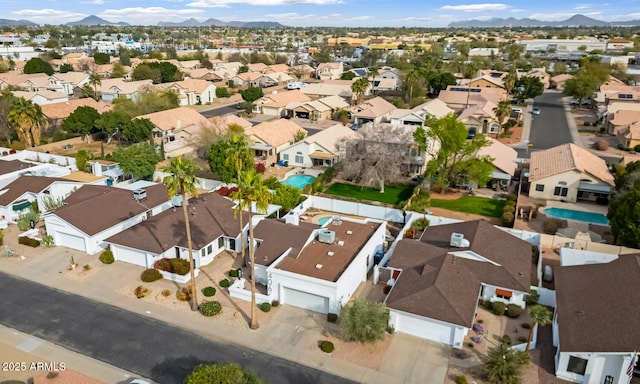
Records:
x=536, y=111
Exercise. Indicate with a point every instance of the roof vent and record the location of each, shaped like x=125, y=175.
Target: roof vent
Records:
x=326, y=236
x=318, y=266
x=349, y=232
x=458, y=240
x=340, y=243
x=330, y=253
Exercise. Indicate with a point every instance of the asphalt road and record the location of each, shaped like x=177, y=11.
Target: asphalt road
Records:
x=221, y=111
x=135, y=343
x=550, y=127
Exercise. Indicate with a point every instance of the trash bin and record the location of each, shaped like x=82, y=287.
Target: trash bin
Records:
x=286, y=163
x=239, y=270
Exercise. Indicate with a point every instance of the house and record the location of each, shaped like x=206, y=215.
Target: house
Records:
x=176, y=128
x=111, y=89
x=460, y=97
x=558, y=81
x=55, y=113
x=105, y=168
x=275, y=103
x=93, y=213
x=481, y=118
x=42, y=97
x=568, y=172
x=486, y=81
x=275, y=68
x=315, y=110
x=30, y=82
x=256, y=67
x=618, y=44
x=435, y=108
x=594, y=325
x=71, y=82
x=629, y=137
x=318, y=269
x=484, y=52
x=539, y=73
x=271, y=137
x=192, y=91
x=619, y=115
x=271, y=79
x=504, y=163
x=301, y=72
x=376, y=110
x=246, y=79
x=329, y=71
x=202, y=74
x=214, y=228
x=320, y=90
x=438, y=281
x=324, y=148
x=390, y=74
x=10, y=169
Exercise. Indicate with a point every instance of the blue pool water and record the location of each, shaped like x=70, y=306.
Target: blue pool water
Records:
x=561, y=213
x=298, y=181
x=323, y=220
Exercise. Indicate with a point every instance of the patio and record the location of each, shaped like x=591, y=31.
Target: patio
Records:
x=492, y=328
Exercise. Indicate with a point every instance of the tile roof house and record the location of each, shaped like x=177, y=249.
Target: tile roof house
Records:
x=329, y=71
x=630, y=136
x=176, y=127
x=275, y=103
x=214, y=228
x=271, y=79
x=246, y=79
x=504, y=163
x=324, y=148
x=55, y=113
x=71, y=82
x=192, y=91
x=434, y=108
x=271, y=137
x=621, y=119
x=568, y=172
x=320, y=90
x=482, y=118
x=111, y=89
x=438, y=280
x=376, y=110
x=558, y=81
x=94, y=213
x=595, y=323
x=314, y=268
x=42, y=97
x=202, y=74
x=461, y=97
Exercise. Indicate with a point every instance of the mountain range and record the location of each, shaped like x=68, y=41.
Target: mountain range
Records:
x=95, y=20
x=573, y=21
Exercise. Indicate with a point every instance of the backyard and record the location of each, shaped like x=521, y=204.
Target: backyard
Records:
x=472, y=204
x=392, y=194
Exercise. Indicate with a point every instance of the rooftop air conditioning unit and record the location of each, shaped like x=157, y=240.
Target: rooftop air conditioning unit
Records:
x=458, y=240
x=139, y=194
x=326, y=236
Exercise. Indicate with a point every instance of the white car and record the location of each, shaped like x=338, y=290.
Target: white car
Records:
x=536, y=111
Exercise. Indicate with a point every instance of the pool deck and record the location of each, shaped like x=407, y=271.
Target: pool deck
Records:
x=579, y=206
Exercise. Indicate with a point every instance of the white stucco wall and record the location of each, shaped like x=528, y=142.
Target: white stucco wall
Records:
x=517, y=297
x=599, y=366
x=572, y=178
x=429, y=329
x=303, y=147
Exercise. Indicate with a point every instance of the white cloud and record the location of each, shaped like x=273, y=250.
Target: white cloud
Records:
x=97, y=2
x=49, y=16
x=226, y=3
x=412, y=19
x=147, y=16
x=476, y=7
x=360, y=18
x=582, y=6
x=291, y=17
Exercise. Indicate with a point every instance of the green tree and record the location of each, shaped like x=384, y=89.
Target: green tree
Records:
x=148, y=101
x=455, y=161
x=228, y=373
x=440, y=81
x=559, y=67
x=509, y=81
x=117, y=71
x=138, y=130
x=504, y=365
x=37, y=65
x=349, y=75
x=359, y=87
x=528, y=87
x=27, y=120
x=286, y=196
x=227, y=171
x=64, y=68
x=625, y=205
x=251, y=94
x=582, y=86
x=82, y=160
x=540, y=316
x=514, y=51
x=81, y=121
x=502, y=111
x=240, y=160
x=420, y=138
x=101, y=58
x=112, y=123
x=6, y=103
x=138, y=160
x=253, y=191
x=146, y=72
x=364, y=321
x=182, y=181
x=95, y=81
x=414, y=83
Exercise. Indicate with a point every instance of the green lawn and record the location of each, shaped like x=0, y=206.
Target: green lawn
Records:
x=472, y=204
x=392, y=195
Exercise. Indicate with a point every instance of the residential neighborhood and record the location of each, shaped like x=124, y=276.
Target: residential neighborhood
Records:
x=364, y=206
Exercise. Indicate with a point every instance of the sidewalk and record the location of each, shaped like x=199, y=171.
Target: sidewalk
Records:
x=291, y=333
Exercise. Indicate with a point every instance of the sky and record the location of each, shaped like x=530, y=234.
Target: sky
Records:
x=308, y=13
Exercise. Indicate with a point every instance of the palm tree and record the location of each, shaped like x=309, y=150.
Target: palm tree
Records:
x=359, y=87
x=238, y=144
x=503, y=364
x=27, y=119
x=374, y=72
x=509, y=82
x=253, y=191
x=540, y=316
x=94, y=81
x=413, y=78
x=183, y=180
x=502, y=110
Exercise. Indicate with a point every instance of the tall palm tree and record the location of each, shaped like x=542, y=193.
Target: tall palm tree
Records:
x=504, y=364
x=238, y=144
x=540, y=316
x=183, y=180
x=502, y=111
x=359, y=87
x=413, y=78
x=374, y=72
x=27, y=119
x=252, y=190
x=509, y=82
x=94, y=81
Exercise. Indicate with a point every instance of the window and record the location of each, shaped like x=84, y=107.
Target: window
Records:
x=202, y=252
x=495, y=128
x=577, y=365
x=220, y=242
x=285, y=156
x=299, y=158
x=560, y=191
x=210, y=248
x=540, y=187
x=608, y=379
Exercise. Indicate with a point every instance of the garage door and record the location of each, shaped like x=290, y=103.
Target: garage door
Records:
x=306, y=300
x=425, y=329
x=129, y=255
x=70, y=241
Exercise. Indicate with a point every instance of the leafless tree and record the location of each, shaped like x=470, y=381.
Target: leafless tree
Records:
x=380, y=157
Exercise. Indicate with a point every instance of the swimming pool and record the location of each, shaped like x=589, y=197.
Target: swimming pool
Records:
x=323, y=220
x=570, y=214
x=299, y=181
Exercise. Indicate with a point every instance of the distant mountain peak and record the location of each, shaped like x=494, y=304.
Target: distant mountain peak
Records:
x=218, y=23
x=94, y=20
x=573, y=21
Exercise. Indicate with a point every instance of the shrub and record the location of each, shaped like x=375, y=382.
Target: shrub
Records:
x=332, y=317
x=526, y=325
x=532, y=298
x=209, y=291
x=265, y=307
x=513, y=311
x=507, y=219
x=550, y=226
x=222, y=92
x=150, y=275
x=275, y=303
x=47, y=240
x=470, y=344
x=326, y=346
x=461, y=379
x=177, y=266
x=498, y=308
x=233, y=273
x=25, y=219
x=52, y=375
x=222, y=373
x=166, y=292
x=601, y=145
x=2, y=237
x=511, y=198
x=487, y=305
x=420, y=224
x=506, y=339
x=26, y=240
x=410, y=233
x=106, y=257
x=364, y=321
x=141, y=292
x=480, y=321
x=184, y=294
x=210, y=308
x=224, y=283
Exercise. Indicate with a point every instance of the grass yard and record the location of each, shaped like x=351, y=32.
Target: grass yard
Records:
x=472, y=204
x=392, y=194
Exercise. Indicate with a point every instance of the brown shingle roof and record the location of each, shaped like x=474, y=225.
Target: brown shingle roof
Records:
x=437, y=284
x=94, y=208
x=24, y=184
x=567, y=157
x=598, y=306
x=8, y=166
x=273, y=246
x=211, y=217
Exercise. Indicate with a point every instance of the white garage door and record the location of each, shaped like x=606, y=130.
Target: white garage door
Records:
x=70, y=241
x=306, y=300
x=129, y=255
x=425, y=329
